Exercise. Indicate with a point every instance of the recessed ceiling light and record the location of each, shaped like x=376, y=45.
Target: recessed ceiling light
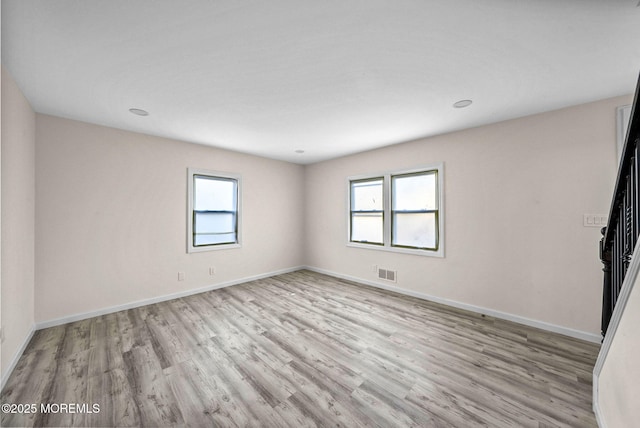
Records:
x=462, y=104
x=299, y=151
x=139, y=111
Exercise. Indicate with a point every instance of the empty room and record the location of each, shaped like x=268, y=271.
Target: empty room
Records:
x=318, y=214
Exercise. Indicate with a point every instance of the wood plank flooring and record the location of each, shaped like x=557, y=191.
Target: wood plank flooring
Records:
x=302, y=350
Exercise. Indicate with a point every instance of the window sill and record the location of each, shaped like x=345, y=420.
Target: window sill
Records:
x=192, y=249
x=416, y=252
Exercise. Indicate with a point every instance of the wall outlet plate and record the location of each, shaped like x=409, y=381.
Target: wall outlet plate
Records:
x=594, y=220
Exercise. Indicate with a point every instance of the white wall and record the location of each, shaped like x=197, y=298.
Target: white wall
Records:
x=111, y=220
x=515, y=195
x=618, y=383
x=18, y=202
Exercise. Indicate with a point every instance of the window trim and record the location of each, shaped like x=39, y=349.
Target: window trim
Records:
x=191, y=172
x=387, y=211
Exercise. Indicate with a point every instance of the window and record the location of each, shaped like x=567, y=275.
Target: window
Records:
x=214, y=211
x=414, y=210
x=367, y=211
x=398, y=211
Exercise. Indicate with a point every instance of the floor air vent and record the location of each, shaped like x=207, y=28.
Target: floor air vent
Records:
x=387, y=275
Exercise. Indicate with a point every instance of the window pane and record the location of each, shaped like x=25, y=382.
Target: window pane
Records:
x=366, y=227
x=214, y=228
x=414, y=192
x=366, y=195
x=214, y=222
x=414, y=230
x=227, y=238
x=214, y=194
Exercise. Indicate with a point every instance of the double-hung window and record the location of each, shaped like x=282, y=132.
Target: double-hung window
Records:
x=414, y=210
x=214, y=210
x=367, y=211
x=398, y=211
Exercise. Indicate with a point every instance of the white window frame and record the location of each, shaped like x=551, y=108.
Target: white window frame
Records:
x=387, y=219
x=191, y=172
x=351, y=211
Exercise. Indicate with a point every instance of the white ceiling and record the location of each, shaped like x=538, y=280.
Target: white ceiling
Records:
x=329, y=77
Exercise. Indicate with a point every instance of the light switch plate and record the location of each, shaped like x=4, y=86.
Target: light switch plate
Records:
x=594, y=220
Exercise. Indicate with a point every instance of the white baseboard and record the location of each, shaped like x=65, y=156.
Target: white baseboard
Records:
x=596, y=408
x=152, y=300
x=16, y=358
x=589, y=337
x=112, y=309
x=497, y=314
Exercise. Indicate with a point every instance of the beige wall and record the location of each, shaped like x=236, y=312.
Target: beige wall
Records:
x=111, y=221
x=515, y=195
x=18, y=202
x=619, y=381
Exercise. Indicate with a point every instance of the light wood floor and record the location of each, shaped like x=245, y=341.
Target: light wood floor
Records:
x=303, y=349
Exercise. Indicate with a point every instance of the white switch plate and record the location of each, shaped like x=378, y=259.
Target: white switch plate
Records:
x=594, y=220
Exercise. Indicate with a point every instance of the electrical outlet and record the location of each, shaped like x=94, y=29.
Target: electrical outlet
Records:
x=180, y=276
x=212, y=271
x=375, y=268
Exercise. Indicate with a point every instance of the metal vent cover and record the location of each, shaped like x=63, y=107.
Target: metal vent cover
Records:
x=387, y=274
